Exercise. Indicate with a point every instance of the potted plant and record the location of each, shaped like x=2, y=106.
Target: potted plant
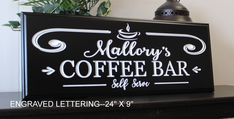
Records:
x=71, y=7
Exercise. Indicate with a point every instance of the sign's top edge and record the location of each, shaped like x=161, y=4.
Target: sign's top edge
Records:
x=116, y=19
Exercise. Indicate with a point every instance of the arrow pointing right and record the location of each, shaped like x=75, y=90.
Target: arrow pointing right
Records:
x=48, y=70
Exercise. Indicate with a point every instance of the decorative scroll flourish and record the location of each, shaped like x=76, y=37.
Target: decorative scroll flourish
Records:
x=58, y=45
x=188, y=48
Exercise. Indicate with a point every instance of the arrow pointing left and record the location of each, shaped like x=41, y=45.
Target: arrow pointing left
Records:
x=48, y=71
x=196, y=69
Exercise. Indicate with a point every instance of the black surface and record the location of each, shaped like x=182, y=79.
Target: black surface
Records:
x=219, y=104
x=172, y=43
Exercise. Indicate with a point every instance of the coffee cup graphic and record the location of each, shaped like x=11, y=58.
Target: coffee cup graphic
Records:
x=127, y=35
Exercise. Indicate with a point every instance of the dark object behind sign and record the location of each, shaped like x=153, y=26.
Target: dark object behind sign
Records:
x=172, y=10
x=70, y=57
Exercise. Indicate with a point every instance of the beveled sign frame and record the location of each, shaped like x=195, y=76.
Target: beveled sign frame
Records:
x=74, y=56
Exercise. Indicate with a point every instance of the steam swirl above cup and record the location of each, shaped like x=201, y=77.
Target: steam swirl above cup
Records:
x=127, y=35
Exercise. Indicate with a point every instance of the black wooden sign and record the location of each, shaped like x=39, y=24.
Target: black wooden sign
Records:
x=70, y=56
